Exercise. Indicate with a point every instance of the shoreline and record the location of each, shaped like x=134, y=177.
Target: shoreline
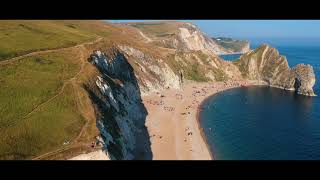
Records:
x=203, y=135
x=177, y=126
x=169, y=139
x=199, y=143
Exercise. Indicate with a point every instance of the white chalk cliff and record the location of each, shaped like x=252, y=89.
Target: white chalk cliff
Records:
x=128, y=71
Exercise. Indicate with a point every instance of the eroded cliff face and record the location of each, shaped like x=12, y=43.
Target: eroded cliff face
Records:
x=267, y=66
x=191, y=38
x=152, y=74
x=129, y=71
x=119, y=108
x=126, y=73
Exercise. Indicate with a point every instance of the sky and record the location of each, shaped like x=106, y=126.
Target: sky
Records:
x=255, y=29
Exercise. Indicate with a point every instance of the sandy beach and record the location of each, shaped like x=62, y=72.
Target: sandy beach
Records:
x=172, y=120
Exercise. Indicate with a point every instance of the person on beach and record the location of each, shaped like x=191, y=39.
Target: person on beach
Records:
x=181, y=77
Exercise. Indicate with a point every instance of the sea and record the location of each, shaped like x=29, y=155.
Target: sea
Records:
x=265, y=123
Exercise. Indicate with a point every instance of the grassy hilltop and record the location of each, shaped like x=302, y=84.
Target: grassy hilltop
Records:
x=41, y=99
x=21, y=37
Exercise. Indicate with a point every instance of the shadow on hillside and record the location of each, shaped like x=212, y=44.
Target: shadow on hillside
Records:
x=123, y=83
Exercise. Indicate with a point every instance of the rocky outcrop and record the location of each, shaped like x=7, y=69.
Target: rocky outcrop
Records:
x=153, y=74
x=267, y=66
x=191, y=38
x=304, y=79
x=196, y=55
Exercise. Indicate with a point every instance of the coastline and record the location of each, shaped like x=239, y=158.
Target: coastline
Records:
x=203, y=135
x=175, y=127
x=198, y=114
x=169, y=139
x=167, y=135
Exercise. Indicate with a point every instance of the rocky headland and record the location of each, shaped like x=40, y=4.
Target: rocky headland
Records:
x=160, y=57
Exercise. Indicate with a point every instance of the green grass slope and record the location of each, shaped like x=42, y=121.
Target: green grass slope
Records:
x=158, y=29
x=20, y=37
x=40, y=94
x=23, y=86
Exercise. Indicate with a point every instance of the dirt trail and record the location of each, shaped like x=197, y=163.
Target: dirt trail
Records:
x=145, y=37
x=72, y=80
x=62, y=88
x=11, y=60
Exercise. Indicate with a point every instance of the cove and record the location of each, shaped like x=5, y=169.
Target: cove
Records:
x=261, y=123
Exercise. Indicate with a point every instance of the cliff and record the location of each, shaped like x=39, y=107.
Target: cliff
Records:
x=119, y=109
x=235, y=46
x=179, y=36
x=149, y=61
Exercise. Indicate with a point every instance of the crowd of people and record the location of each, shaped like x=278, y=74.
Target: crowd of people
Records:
x=191, y=102
x=168, y=108
x=179, y=96
x=154, y=102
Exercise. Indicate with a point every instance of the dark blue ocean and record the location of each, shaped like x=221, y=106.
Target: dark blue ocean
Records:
x=263, y=123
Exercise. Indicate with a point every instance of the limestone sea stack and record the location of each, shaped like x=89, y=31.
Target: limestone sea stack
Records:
x=266, y=66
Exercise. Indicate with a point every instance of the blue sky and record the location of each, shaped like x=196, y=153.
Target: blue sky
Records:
x=250, y=29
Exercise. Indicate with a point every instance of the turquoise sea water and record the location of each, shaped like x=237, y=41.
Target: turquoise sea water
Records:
x=263, y=122
x=230, y=57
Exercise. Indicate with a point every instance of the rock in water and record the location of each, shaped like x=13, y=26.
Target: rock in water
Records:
x=304, y=79
x=266, y=66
